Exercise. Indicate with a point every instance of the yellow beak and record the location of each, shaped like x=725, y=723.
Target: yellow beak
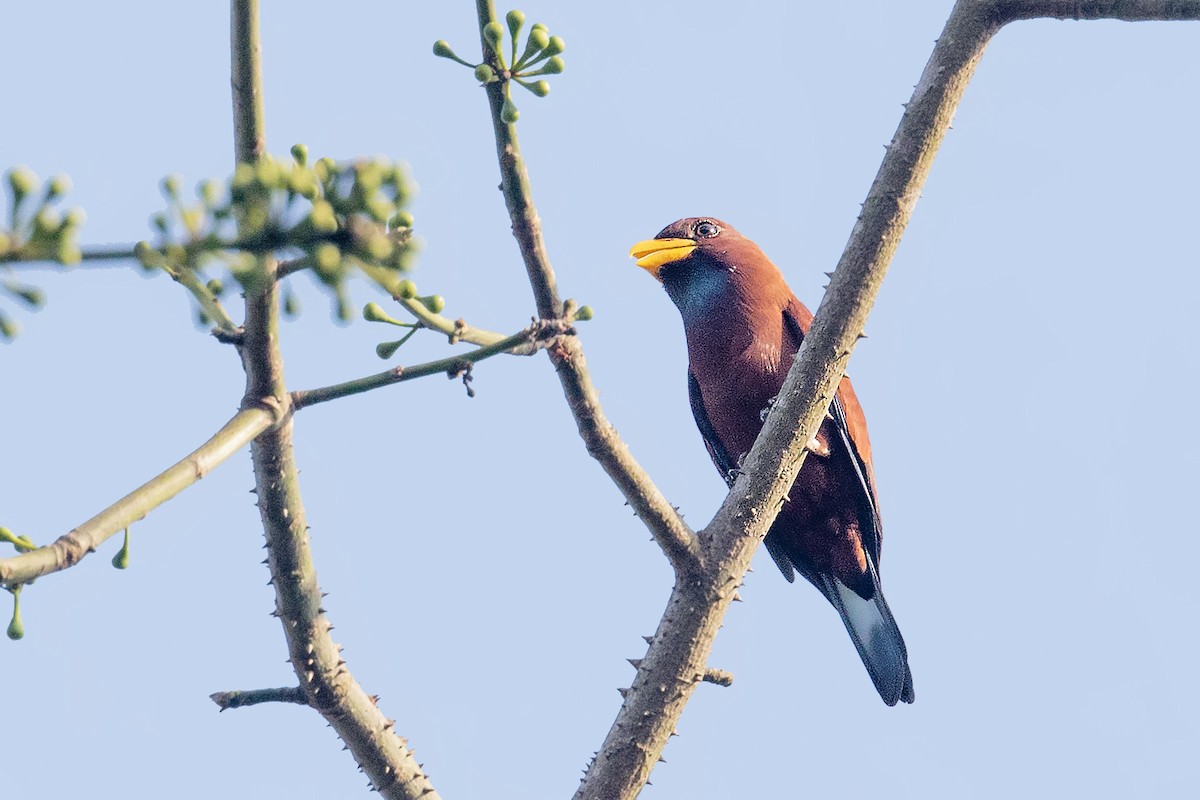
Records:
x=652, y=254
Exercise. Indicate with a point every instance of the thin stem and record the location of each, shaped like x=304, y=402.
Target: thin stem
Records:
x=525, y=342
x=69, y=549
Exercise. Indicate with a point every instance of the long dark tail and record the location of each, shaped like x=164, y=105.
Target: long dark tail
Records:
x=880, y=645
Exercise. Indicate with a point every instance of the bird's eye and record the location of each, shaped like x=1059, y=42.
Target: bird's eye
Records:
x=707, y=230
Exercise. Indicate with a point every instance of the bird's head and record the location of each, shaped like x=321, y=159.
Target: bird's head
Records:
x=686, y=243
x=702, y=261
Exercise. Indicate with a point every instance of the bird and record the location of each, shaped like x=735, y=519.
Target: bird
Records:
x=743, y=326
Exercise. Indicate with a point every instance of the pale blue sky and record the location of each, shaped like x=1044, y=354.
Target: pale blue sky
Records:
x=1030, y=380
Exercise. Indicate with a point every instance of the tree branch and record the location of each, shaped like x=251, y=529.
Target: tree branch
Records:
x=324, y=677
x=676, y=539
x=537, y=336
x=684, y=639
x=69, y=549
x=252, y=697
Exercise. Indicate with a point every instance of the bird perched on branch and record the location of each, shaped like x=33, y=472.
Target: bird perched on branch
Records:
x=743, y=326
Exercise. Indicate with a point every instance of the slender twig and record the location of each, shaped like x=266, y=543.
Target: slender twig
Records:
x=252, y=697
x=535, y=337
x=323, y=675
x=96, y=255
x=676, y=539
x=69, y=549
x=457, y=330
x=681, y=646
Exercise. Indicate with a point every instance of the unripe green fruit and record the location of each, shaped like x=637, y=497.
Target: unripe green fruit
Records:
x=584, y=313
x=434, y=302
x=300, y=153
x=441, y=49
x=555, y=46
x=554, y=66
x=403, y=219
x=540, y=88
x=484, y=74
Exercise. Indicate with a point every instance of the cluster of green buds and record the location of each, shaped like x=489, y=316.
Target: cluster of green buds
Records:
x=540, y=56
x=328, y=216
x=405, y=290
x=37, y=230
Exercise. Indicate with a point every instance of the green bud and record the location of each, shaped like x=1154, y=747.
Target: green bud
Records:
x=269, y=173
x=300, y=153
x=538, y=40
x=373, y=312
x=386, y=350
x=584, y=313
x=441, y=49
x=146, y=255
x=5, y=243
x=538, y=26
x=170, y=187
x=209, y=192
x=75, y=218
x=160, y=223
x=303, y=182
x=509, y=112
x=121, y=559
x=327, y=258
x=291, y=304
x=46, y=222
x=555, y=46
x=216, y=287
x=434, y=302
x=16, y=629
x=325, y=168
x=492, y=34
x=403, y=219
x=9, y=328
x=484, y=74
x=515, y=20
x=322, y=217
x=378, y=247
x=540, y=88
x=22, y=180
x=58, y=186
x=554, y=66
x=380, y=208
x=406, y=289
